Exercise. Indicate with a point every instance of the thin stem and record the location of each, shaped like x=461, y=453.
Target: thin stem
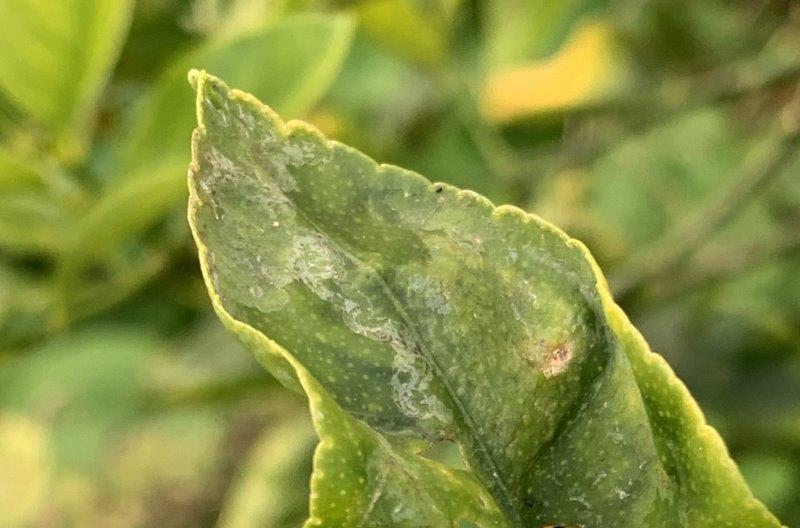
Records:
x=499, y=157
x=730, y=263
x=672, y=100
x=761, y=168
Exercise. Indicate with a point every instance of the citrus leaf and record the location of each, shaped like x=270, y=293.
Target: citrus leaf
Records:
x=31, y=220
x=289, y=64
x=412, y=312
x=57, y=56
x=26, y=461
x=528, y=29
x=90, y=402
x=17, y=173
x=297, y=60
x=31, y=223
x=270, y=491
x=589, y=69
x=405, y=27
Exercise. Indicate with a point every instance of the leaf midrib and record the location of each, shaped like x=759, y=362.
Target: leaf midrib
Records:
x=482, y=450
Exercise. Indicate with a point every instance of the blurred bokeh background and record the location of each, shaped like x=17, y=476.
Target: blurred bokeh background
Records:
x=662, y=133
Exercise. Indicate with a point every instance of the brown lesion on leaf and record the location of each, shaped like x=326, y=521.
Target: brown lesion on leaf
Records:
x=551, y=359
x=558, y=358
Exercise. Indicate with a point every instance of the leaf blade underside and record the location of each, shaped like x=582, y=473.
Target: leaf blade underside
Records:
x=412, y=312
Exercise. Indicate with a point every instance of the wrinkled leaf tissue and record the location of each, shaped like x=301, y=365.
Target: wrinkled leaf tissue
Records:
x=413, y=314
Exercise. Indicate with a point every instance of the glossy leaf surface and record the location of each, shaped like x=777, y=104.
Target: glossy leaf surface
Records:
x=297, y=59
x=57, y=56
x=288, y=64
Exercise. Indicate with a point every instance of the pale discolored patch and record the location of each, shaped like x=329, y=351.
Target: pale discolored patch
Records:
x=557, y=360
x=550, y=359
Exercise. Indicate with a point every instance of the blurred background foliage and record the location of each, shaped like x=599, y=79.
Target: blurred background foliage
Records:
x=662, y=133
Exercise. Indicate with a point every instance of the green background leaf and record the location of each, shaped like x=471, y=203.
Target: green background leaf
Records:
x=57, y=58
x=290, y=63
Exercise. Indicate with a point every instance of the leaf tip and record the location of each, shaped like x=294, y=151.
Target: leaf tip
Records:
x=194, y=76
x=209, y=90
